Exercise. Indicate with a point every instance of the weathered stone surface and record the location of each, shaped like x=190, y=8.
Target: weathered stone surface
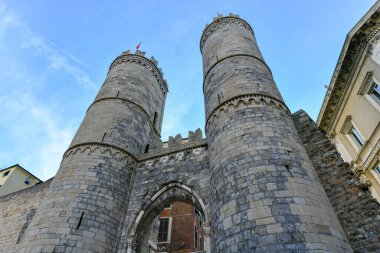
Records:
x=357, y=211
x=265, y=194
x=16, y=212
x=251, y=177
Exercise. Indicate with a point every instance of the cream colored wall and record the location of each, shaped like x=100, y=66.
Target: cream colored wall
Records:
x=372, y=176
x=14, y=181
x=4, y=179
x=365, y=113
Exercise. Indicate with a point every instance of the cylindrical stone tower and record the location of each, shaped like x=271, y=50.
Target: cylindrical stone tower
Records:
x=85, y=204
x=266, y=196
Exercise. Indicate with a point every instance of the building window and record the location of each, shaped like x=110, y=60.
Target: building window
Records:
x=6, y=173
x=357, y=136
x=27, y=180
x=371, y=89
x=155, y=119
x=163, y=231
x=375, y=92
x=377, y=169
x=353, y=133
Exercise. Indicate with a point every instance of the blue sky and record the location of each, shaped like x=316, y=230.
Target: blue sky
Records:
x=54, y=55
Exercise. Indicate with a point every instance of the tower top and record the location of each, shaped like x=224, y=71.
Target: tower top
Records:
x=139, y=58
x=218, y=22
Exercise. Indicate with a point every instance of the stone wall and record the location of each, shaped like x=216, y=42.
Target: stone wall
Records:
x=177, y=172
x=16, y=212
x=357, y=211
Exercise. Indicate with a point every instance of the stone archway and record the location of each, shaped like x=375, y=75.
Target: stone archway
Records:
x=173, y=191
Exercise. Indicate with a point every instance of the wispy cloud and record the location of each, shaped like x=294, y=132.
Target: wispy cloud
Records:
x=33, y=132
x=39, y=136
x=59, y=59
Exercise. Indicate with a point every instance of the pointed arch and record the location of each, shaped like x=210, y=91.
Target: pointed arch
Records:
x=166, y=194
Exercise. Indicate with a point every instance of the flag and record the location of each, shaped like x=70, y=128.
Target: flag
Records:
x=138, y=46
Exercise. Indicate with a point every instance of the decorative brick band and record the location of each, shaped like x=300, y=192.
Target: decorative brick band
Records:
x=246, y=100
x=91, y=147
x=177, y=155
x=142, y=61
x=218, y=23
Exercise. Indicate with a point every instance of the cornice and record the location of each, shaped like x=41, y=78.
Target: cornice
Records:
x=221, y=21
x=91, y=147
x=243, y=101
x=146, y=63
x=355, y=49
x=113, y=150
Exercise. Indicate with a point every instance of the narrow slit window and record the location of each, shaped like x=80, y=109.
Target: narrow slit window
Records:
x=155, y=119
x=80, y=220
x=146, y=148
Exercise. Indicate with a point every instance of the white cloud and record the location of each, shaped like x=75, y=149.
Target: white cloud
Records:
x=33, y=133
x=59, y=59
x=41, y=138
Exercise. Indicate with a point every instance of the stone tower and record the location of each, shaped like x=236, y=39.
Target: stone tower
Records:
x=250, y=179
x=85, y=204
x=265, y=194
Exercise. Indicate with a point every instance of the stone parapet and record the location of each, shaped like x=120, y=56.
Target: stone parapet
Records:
x=175, y=144
x=140, y=59
x=219, y=22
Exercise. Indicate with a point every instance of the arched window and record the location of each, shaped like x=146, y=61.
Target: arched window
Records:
x=146, y=148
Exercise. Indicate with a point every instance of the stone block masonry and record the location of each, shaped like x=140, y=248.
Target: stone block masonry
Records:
x=16, y=212
x=251, y=177
x=265, y=194
x=357, y=211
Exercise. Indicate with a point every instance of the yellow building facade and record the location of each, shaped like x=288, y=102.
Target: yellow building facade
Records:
x=350, y=113
x=16, y=178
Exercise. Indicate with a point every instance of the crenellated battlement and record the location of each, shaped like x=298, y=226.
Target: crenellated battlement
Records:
x=139, y=57
x=220, y=21
x=175, y=144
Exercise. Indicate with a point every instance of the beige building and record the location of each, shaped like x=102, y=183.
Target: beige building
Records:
x=16, y=178
x=350, y=113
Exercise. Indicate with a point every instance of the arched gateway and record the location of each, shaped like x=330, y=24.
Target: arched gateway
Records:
x=173, y=191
